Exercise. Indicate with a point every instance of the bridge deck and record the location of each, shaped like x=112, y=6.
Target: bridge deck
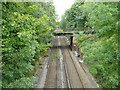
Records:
x=63, y=34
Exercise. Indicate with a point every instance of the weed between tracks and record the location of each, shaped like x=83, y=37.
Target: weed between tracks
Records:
x=54, y=56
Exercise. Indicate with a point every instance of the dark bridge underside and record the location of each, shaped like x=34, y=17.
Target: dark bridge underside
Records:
x=63, y=34
x=66, y=34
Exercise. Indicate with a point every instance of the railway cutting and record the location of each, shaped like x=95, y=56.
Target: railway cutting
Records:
x=64, y=70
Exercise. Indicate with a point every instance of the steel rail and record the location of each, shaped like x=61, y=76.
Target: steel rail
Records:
x=66, y=73
x=57, y=67
x=75, y=67
x=49, y=66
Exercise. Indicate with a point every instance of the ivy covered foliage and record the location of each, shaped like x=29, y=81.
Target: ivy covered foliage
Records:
x=101, y=48
x=26, y=32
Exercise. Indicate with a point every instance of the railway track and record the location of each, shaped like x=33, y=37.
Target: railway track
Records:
x=79, y=78
x=65, y=71
x=51, y=78
x=65, y=67
x=74, y=79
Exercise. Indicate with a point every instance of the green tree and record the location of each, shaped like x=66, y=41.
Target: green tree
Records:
x=26, y=32
x=101, y=50
x=74, y=19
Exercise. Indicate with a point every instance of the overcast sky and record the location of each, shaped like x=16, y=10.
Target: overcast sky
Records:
x=62, y=5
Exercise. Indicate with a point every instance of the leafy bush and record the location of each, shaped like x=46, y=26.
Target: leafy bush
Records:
x=102, y=16
x=25, y=34
x=23, y=83
x=80, y=38
x=100, y=50
x=76, y=32
x=102, y=58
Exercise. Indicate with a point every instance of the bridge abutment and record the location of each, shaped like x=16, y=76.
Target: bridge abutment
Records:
x=71, y=41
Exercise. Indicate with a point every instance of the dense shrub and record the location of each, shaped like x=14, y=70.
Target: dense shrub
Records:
x=26, y=32
x=23, y=83
x=101, y=56
x=101, y=49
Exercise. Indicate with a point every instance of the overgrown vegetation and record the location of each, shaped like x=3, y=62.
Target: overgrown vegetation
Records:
x=26, y=32
x=73, y=19
x=98, y=40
